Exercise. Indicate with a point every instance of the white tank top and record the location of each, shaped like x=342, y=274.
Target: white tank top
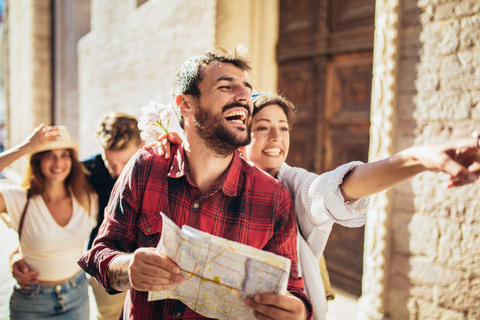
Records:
x=48, y=248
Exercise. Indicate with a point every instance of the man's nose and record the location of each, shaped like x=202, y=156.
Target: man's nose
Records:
x=243, y=94
x=118, y=170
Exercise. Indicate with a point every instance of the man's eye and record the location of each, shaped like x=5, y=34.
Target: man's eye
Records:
x=225, y=87
x=262, y=128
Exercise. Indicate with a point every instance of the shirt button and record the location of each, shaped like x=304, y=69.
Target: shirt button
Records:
x=178, y=315
x=196, y=205
x=148, y=229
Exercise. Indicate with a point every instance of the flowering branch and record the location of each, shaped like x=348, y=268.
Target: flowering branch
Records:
x=155, y=120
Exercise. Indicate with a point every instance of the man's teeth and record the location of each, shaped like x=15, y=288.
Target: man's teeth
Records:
x=236, y=116
x=272, y=151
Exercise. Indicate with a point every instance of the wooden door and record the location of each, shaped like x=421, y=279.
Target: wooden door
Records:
x=325, y=67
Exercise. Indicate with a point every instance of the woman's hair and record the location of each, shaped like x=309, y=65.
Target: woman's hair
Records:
x=76, y=181
x=261, y=100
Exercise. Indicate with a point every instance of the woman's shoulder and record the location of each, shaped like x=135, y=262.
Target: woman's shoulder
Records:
x=13, y=191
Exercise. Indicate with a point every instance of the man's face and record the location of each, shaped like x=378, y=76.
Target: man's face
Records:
x=115, y=161
x=223, y=111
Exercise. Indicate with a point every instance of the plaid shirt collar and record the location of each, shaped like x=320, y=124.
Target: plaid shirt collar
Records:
x=228, y=181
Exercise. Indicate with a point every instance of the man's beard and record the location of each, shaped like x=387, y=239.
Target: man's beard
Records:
x=216, y=136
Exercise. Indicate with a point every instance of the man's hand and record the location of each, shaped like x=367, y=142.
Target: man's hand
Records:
x=163, y=143
x=277, y=307
x=145, y=270
x=22, y=273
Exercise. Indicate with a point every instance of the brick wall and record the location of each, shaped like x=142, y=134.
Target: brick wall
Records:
x=436, y=232
x=132, y=54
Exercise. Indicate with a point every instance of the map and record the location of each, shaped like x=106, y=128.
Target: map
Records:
x=219, y=273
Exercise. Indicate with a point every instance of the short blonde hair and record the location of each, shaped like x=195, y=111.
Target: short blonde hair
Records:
x=118, y=131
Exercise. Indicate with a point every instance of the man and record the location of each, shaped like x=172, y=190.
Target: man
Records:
x=206, y=185
x=118, y=135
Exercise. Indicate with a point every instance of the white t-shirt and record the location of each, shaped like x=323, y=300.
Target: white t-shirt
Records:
x=48, y=248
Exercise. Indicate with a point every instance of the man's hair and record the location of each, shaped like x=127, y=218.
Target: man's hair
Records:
x=118, y=131
x=261, y=100
x=190, y=74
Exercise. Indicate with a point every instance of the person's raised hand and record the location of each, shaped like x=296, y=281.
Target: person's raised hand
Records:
x=40, y=136
x=277, y=307
x=151, y=271
x=164, y=142
x=22, y=273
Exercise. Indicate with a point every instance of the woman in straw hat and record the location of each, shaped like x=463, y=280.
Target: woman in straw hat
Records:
x=53, y=213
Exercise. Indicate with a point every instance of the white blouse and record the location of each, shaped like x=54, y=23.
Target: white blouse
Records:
x=47, y=247
x=318, y=204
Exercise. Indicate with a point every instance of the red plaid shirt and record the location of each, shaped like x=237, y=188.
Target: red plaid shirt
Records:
x=244, y=205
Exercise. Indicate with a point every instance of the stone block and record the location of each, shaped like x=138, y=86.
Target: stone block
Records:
x=475, y=113
x=441, y=37
x=443, y=105
x=467, y=7
x=457, y=76
x=445, y=11
x=470, y=35
x=430, y=311
x=424, y=235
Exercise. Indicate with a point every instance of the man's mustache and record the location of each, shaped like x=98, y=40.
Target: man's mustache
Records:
x=235, y=105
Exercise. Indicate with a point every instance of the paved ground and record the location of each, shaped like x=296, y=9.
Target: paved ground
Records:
x=344, y=306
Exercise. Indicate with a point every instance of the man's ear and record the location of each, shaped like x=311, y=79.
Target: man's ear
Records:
x=185, y=103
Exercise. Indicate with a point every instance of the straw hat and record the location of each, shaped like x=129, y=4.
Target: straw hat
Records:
x=63, y=142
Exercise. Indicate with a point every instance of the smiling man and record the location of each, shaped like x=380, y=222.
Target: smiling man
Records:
x=205, y=185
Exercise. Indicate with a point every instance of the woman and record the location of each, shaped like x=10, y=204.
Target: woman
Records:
x=337, y=196
x=53, y=214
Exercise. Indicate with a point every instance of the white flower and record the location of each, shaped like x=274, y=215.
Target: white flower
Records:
x=155, y=120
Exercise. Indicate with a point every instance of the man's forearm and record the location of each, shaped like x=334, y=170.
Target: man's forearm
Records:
x=118, y=275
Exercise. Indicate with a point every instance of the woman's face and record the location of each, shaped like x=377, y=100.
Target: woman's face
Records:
x=56, y=165
x=270, y=139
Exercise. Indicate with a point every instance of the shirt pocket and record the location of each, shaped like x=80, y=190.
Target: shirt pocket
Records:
x=149, y=229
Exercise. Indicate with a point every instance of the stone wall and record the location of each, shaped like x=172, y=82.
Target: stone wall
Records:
x=132, y=54
x=445, y=229
x=422, y=257
x=29, y=69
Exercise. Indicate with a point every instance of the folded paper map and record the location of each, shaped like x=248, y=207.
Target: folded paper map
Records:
x=219, y=273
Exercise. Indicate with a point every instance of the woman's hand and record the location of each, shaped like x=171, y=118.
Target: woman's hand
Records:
x=22, y=273
x=40, y=136
x=163, y=143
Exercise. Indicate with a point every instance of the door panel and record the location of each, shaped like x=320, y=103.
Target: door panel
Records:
x=325, y=68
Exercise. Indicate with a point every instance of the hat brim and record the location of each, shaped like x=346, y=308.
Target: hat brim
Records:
x=70, y=144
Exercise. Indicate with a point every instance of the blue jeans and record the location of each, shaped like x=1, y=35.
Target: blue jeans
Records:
x=65, y=301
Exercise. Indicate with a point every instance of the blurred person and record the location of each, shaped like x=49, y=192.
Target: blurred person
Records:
x=118, y=135
x=53, y=213
x=205, y=185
